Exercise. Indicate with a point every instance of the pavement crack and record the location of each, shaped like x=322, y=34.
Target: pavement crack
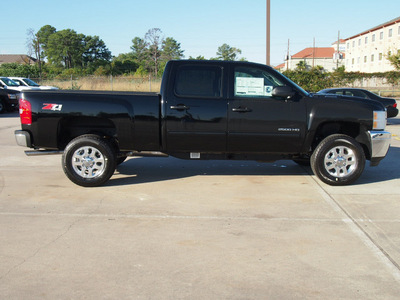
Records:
x=362, y=234
x=58, y=237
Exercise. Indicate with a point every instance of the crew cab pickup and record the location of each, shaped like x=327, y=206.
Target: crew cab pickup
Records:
x=206, y=110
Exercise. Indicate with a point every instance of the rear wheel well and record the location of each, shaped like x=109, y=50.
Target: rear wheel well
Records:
x=71, y=128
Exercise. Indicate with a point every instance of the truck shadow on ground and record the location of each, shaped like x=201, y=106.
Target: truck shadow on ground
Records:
x=147, y=170
x=388, y=169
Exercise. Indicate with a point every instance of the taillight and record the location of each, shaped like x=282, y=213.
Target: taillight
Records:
x=25, y=112
x=395, y=105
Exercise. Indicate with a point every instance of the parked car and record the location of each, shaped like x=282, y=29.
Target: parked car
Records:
x=389, y=103
x=22, y=81
x=8, y=100
x=8, y=83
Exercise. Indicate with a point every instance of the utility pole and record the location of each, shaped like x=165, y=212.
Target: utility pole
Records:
x=268, y=31
x=338, y=55
x=313, y=53
x=287, y=55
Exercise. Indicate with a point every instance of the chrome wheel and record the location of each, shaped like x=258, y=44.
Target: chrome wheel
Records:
x=88, y=162
x=340, y=161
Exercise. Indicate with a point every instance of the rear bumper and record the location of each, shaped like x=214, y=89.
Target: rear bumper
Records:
x=23, y=138
x=380, y=143
x=392, y=112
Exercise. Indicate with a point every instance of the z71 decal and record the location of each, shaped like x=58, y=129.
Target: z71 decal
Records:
x=52, y=106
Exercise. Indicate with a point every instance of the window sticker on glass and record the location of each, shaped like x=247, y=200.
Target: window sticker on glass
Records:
x=249, y=86
x=268, y=90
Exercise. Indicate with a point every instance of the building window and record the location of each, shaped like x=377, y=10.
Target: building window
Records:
x=358, y=60
x=352, y=61
x=348, y=45
x=381, y=35
x=373, y=37
x=359, y=42
x=354, y=44
x=372, y=57
x=390, y=32
x=366, y=40
x=398, y=31
x=365, y=59
x=380, y=56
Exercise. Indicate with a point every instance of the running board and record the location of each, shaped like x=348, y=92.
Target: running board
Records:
x=42, y=152
x=132, y=153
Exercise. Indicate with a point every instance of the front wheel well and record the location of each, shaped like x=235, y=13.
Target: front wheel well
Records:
x=354, y=130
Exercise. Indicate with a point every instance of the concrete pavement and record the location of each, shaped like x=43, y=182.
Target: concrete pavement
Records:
x=165, y=228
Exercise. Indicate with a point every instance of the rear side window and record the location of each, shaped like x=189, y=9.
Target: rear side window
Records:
x=198, y=81
x=356, y=94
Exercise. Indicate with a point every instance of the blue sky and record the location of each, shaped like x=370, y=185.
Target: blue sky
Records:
x=200, y=26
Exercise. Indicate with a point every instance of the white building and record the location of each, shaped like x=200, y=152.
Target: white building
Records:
x=367, y=51
x=325, y=57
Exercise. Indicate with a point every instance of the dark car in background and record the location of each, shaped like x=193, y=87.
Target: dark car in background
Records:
x=8, y=100
x=389, y=103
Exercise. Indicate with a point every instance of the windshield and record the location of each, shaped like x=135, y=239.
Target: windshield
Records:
x=8, y=81
x=30, y=82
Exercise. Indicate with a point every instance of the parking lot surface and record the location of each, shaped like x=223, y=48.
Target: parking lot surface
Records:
x=164, y=228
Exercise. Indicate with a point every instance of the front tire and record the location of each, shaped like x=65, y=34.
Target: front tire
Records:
x=338, y=160
x=89, y=160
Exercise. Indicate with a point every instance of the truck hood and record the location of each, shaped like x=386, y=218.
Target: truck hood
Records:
x=362, y=102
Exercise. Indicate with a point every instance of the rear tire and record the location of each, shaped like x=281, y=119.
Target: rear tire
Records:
x=89, y=160
x=338, y=160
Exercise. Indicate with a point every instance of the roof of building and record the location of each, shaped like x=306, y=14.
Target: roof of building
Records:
x=322, y=52
x=341, y=41
x=280, y=66
x=16, y=58
x=391, y=22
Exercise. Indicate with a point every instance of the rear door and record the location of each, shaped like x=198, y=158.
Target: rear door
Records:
x=196, y=109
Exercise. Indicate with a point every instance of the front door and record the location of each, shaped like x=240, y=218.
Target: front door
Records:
x=259, y=122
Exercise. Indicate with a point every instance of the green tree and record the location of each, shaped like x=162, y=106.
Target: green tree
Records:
x=171, y=49
x=65, y=48
x=124, y=63
x=226, y=52
x=154, y=41
x=301, y=66
x=139, y=49
x=42, y=38
x=394, y=59
x=153, y=51
x=200, y=57
x=95, y=52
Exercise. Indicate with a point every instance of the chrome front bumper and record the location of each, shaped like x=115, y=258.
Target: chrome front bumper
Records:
x=380, y=143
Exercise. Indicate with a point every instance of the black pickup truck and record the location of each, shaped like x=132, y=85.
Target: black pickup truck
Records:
x=206, y=110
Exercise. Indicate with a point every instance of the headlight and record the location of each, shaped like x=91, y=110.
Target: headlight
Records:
x=379, y=120
x=12, y=96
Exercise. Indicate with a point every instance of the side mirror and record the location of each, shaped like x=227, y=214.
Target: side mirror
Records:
x=285, y=92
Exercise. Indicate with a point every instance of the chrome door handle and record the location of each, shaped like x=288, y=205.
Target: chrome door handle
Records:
x=241, y=109
x=179, y=107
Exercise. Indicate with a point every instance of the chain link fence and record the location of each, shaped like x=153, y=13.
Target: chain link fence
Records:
x=105, y=83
